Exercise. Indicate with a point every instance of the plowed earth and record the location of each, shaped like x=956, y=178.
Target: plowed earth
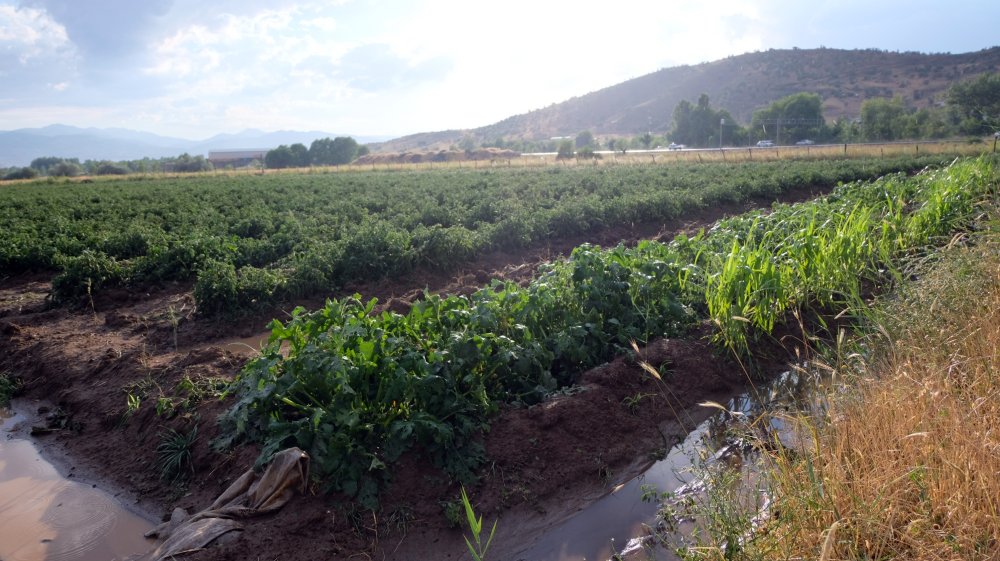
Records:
x=544, y=462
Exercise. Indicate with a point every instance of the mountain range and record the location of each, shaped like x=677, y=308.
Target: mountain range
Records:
x=19, y=147
x=741, y=84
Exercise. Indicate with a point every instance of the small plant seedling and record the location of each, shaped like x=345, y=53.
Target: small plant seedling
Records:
x=8, y=387
x=631, y=402
x=132, y=404
x=173, y=455
x=452, y=512
x=476, y=528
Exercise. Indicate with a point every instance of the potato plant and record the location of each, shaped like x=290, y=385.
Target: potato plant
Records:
x=298, y=235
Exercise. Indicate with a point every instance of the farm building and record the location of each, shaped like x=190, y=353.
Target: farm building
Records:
x=235, y=158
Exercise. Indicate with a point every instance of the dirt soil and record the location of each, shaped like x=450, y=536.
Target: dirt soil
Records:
x=544, y=462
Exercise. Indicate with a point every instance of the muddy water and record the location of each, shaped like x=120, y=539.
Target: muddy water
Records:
x=46, y=517
x=251, y=345
x=619, y=521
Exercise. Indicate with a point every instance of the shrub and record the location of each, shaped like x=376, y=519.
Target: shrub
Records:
x=85, y=274
x=217, y=288
x=221, y=289
x=22, y=173
x=108, y=168
x=65, y=169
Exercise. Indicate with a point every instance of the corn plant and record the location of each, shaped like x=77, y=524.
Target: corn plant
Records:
x=478, y=552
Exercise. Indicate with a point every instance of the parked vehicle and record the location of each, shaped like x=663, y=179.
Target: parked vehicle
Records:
x=765, y=144
x=675, y=146
x=805, y=142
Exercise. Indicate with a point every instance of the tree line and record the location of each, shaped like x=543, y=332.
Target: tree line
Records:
x=322, y=152
x=54, y=166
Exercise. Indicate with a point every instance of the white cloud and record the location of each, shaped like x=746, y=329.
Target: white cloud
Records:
x=31, y=34
x=34, y=52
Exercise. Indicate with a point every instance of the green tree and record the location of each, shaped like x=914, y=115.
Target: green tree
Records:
x=21, y=173
x=791, y=118
x=300, y=155
x=279, y=158
x=619, y=144
x=976, y=104
x=468, y=143
x=110, y=168
x=187, y=163
x=334, y=152
x=699, y=125
x=565, y=150
x=65, y=169
x=928, y=123
x=883, y=119
x=585, y=138
x=45, y=163
x=646, y=139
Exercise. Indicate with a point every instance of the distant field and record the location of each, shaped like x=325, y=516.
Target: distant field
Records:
x=729, y=155
x=250, y=240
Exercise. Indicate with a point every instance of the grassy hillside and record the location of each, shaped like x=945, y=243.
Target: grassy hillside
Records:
x=741, y=84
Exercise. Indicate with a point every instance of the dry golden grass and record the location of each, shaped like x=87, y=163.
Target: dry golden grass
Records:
x=906, y=465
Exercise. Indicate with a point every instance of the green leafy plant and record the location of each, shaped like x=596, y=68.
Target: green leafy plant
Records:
x=453, y=512
x=257, y=240
x=9, y=385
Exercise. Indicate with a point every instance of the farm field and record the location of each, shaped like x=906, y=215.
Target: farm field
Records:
x=394, y=404
x=252, y=241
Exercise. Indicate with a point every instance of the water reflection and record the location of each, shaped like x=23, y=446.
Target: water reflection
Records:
x=46, y=517
x=623, y=523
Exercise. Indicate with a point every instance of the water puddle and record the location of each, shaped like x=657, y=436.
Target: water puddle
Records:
x=621, y=522
x=45, y=517
x=251, y=345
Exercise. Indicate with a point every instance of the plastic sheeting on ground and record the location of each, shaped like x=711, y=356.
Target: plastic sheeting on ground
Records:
x=248, y=496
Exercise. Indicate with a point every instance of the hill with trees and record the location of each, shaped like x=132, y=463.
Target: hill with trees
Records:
x=740, y=85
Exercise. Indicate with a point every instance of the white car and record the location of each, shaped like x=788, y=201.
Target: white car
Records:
x=765, y=144
x=675, y=146
x=805, y=142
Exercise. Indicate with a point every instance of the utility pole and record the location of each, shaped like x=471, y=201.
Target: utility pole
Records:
x=721, y=123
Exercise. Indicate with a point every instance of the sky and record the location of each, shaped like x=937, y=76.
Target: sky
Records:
x=196, y=68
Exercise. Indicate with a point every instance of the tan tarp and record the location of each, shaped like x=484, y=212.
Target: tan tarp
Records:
x=247, y=496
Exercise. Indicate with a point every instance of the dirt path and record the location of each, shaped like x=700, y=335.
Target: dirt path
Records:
x=544, y=462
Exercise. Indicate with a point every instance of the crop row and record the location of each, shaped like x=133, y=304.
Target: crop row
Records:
x=358, y=389
x=253, y=240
